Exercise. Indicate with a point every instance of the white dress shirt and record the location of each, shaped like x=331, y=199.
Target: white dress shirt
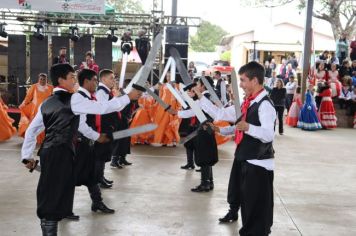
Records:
x=265, y=132
x=227, y=114
x=80, y=106
x=101, y=95
x=291, y=87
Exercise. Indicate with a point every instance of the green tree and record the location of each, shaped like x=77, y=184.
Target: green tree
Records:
x=127, y=6
x=207, y=37
x=341, y=14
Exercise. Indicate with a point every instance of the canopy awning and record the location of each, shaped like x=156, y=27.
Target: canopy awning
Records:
x=274, y=47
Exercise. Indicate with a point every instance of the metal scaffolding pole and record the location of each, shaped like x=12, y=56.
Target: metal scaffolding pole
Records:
x=307, y=46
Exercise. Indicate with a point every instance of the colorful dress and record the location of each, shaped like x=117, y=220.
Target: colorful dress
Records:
x=143, y=116
x=327, y=111
x=308, y=118
x=168, y=125
x=34, y=98
x=294, y=111
x=6, y=128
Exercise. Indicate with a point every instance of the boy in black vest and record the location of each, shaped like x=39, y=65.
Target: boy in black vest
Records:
x=85, y=155
x=108, y=123
x=252, y=170
x=204, y=146
x=122, y=147
x=59, y=117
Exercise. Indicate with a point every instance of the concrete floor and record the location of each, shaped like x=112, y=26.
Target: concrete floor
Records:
x=315, y=191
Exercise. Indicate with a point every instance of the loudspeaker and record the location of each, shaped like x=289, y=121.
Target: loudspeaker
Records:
x=103, y=53
x=177, y=34
x=181, y=48
x=80, y=48
x=38, y=57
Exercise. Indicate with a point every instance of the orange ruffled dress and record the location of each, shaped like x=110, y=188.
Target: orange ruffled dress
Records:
x=6, y=128
x=29, y=107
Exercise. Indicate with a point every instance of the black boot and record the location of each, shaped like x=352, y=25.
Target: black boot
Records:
x=188, y=167
x=104, y=184
x=108, y=181
x=49, y=227
x=100, y=206
x=124, y=162
x=204, y=184
x=231, y=216
x=72, y=217
x=115, y=162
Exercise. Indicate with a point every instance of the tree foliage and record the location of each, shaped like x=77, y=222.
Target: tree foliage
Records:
x=341, y=14
x=207, y=37
x=127, y=6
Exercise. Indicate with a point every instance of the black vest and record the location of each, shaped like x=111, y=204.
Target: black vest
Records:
x=109, y=122
x=61, y=125
x=252, y=148
x=90, y=117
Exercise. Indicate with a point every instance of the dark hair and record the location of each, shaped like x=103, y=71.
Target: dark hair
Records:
x=105, y=72
x=42, y=75
x=89, y=53
x=217, y=72
x=63, y=47
x=85, y=74
x=253, y=69
x=209, y=79
x=298, y=90
x=60, y=71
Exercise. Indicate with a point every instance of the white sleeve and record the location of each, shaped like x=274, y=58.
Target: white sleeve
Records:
x=82, y=105
x=228, y=130
x=29, y=143
x=227, y=114
x=186, y=113
x=267, y=116
x=101, y=96
x=86, y=130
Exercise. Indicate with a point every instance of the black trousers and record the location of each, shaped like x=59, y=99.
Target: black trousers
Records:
x=55, y=190
x=280, y=111
x=190, y=156
x=289, y=100
x=99, y=169
x=256, y=191
x=233, y=195
x=207, y=174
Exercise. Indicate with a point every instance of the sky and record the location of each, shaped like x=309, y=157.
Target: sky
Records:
x=234, y=18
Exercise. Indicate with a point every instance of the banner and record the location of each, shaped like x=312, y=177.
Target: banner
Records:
x=66, y=6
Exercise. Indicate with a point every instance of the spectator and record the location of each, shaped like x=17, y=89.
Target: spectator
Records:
x=353, y=68
x=278, y=96
x=353, y=50
x=289, y=72
x=345, y=95
x=283, y=68
x=342, y=47
x=192, y=67
x=333, y=78
x=89, y=63
x=268, y=70
x=291, y=86
x=293, y=61
x=345, y=69
x=62, y=57
x=273, y=64
x=321, y=76
x=270, y=82
x=333, y=59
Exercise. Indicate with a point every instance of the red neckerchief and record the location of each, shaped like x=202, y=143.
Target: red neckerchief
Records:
x=97, y=117
x=245, y=105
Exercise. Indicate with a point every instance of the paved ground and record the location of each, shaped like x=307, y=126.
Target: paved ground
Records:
x=315, y=191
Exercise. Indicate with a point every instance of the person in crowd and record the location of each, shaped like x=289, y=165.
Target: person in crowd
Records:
x=62, y=57
x=289, y=72
x=342, y=47
x=327, y=111
x=36, y=94
x=278, y=97
x=291, y=86
x=345, y=69
x=308, y=118
x=334, y=82
x=294, y=111
x=271, y=82
x=7, y=130
x=353, y=49
x=273, y=64
x=192, y=68
x=333, y=59
x=345, y=95
x=89, y=63
x=268, y=70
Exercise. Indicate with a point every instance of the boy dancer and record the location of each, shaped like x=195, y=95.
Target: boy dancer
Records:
x=59, y=116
